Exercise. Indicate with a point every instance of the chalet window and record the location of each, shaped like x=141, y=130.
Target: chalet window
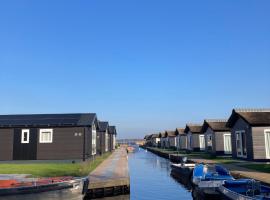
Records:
x=267, y=142
x=94, y=142
x=25, y=136
x=209, y=140
x=45, y=135
x=106, y=141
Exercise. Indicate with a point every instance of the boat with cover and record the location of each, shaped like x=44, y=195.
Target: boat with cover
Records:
x=244, y=189
x=208, y=178
x=29, y=186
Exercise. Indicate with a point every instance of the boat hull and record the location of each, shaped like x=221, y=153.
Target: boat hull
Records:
x=77, y=185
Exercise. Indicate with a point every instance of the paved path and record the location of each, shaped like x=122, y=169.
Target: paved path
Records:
x=112, y=172
x=240, y=172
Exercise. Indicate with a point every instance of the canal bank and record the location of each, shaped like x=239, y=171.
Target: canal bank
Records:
x=236, y=168
x=111, y=178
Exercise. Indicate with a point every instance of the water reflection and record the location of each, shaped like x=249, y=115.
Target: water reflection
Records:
x=151, y=180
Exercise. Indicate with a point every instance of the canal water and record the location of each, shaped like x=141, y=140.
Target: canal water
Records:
x=150, y=180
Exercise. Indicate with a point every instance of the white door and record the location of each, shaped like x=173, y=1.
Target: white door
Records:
x=227, y=144
x=202, y=142
x=267, y=143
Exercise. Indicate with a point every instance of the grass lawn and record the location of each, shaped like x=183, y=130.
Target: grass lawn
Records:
x=53, y=169
x=258, y=167
x=201, y=155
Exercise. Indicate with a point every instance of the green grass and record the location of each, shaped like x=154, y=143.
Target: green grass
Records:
x=258, y=167
x=201, y=155
x=53, y=169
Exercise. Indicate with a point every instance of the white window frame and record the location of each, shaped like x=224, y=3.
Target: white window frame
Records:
x=267, y=153
x=202, y=145
x=224, y=136
x=94, y=141
x=106, y=141
x=27, y=131
x=45, y=130
x=114, y=141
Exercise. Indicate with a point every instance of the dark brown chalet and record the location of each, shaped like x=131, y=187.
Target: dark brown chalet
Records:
x=250, y=129
x=103, y=138
x=217, y=137
x=195, y=140
x=48, y=136
x=171, y=139
x=163, y=140
x=181, y=139
x=113, y=133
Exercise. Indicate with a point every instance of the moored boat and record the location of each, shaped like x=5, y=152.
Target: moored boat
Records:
x=183, y=169
x=209, y=178
x=15, y=187
x=244, y=189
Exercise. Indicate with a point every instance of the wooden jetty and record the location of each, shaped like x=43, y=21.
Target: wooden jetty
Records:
x=111, y=178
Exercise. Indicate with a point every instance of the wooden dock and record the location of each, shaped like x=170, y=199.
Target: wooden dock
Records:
x=111, y=178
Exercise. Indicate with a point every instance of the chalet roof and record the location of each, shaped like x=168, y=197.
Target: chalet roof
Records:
x=162, y=135
x=103, y=126
x=155, y=136
x=215, y=125
x=147, y=137
x=112, y=130
x=180, y=131
x=254, y=117
x=170, y=133
x=48, y=120
x=193, y=128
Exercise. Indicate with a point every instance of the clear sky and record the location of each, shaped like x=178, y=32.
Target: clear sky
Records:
x=144, y=65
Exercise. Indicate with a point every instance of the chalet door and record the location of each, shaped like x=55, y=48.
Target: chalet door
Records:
x=25, y=144
x=189, y=142
x=267, y=143
x=202, y=142
x=241, y=144
x=227, y=144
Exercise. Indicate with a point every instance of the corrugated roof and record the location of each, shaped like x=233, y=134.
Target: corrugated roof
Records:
x=44, y=120
x=254, y=117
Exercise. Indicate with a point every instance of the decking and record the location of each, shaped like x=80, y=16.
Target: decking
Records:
x=111, y=178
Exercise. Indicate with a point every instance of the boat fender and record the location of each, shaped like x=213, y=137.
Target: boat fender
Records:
x=85, y=185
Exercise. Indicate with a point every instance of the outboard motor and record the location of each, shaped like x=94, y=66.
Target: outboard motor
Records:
x=184, y=160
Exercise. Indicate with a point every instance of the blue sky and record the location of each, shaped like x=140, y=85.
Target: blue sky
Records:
x=144, y=65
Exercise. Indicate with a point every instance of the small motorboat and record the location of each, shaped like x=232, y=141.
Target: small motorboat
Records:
x=244, y=189
x=183, y=169
x=29, y=186
x=208, y=178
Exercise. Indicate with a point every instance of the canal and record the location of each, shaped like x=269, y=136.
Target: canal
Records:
x=150, y=180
